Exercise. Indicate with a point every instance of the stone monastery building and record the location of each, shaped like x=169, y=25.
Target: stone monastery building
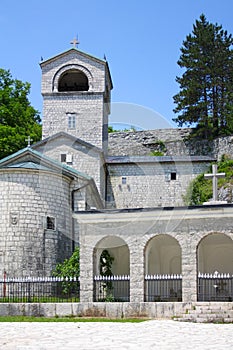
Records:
x=76, y=187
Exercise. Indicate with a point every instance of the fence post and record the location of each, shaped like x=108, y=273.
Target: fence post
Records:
x=4, y=284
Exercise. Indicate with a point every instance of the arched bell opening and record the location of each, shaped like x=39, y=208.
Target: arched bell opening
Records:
x=73, y=80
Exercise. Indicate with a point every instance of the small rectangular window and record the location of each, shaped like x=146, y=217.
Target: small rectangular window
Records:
x=173, y=176
x=50, y=223
x=63, y=158
x=123, y=179
x=71, y=121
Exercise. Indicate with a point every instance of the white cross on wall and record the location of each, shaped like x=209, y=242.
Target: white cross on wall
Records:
x=214, y=176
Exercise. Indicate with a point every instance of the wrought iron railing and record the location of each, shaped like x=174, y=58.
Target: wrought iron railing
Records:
x=215, y=287
x=39, y=289
x=163, y=288
x=111, y=288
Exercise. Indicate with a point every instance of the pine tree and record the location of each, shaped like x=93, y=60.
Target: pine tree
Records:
x=205, y=99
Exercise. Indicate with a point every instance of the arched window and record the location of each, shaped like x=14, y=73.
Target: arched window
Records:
x=73, y=80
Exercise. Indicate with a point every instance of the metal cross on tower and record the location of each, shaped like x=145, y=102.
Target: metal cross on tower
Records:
x=75, y=42
x=214, y=176
x=28, y=140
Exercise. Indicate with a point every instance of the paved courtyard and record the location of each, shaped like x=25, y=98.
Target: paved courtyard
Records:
x=152, y=334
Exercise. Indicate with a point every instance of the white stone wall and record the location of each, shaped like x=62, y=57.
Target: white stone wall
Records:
x=88, y=109
x=137, y=227
x=26, y=248
x=150, y=184
x=84, y=159
x=88, y=106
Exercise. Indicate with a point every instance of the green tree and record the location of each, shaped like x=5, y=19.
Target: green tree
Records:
x=69, y=269
x=205, y=100
x=200, y=189
x=18, y=119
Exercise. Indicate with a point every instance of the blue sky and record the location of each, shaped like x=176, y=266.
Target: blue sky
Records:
x=141, y=40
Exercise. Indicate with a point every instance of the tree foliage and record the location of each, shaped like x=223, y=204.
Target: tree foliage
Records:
x=69, y=267
x=18, y=119
x=200, y=189
x=205, y=100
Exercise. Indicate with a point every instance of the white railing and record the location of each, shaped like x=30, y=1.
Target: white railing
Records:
x=163, y=277
x=164, y=287
x=112, y=278
x=111, y=288
x=215, y=286
x=214, y=275
x=39, y=279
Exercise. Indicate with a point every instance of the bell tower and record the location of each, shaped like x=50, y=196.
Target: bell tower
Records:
x=76, y=90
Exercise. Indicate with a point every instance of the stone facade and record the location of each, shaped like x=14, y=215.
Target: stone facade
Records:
x=37, y=200
x=187, y=226
x=66, y=191
x=80, y=155
x=26, y=246
x=151, y=181
x=89, y=108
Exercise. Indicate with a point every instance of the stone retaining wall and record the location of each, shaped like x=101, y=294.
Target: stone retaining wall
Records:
x=110, y=310
x=170, y=142
x=176, y=310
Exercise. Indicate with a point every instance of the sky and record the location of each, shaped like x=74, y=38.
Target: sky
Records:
x=140, y=39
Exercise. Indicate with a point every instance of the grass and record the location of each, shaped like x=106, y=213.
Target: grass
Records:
x=67, y=319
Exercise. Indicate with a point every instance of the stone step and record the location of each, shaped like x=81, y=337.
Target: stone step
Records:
x=206, y=312
x=210, y=312
x=215, y=318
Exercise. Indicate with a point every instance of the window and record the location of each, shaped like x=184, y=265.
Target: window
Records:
x=123, y=179
x=173, y=176
x=63, y=158
x=71, y=121
x=50, y=223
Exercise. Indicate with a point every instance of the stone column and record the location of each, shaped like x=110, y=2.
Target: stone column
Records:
x=189, y=273
x=136, y=273
x=86, y=271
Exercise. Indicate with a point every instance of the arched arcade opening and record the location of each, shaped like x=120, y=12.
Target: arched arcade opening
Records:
x=163, y=280
x=215, y=268
x=111, y=270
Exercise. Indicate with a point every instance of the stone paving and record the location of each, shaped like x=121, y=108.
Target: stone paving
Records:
x=154, y=334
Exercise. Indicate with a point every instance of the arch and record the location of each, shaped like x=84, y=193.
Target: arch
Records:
x=72, y=78
x=118, y=249
x=215, y=253
x=162, y=255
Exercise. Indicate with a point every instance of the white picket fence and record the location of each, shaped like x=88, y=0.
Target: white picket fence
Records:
x=112, y=278
x=163, y=287
x=39, y=279
x=214, y=275
x=112, y=288
x=215, y=286
x=163, y=277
